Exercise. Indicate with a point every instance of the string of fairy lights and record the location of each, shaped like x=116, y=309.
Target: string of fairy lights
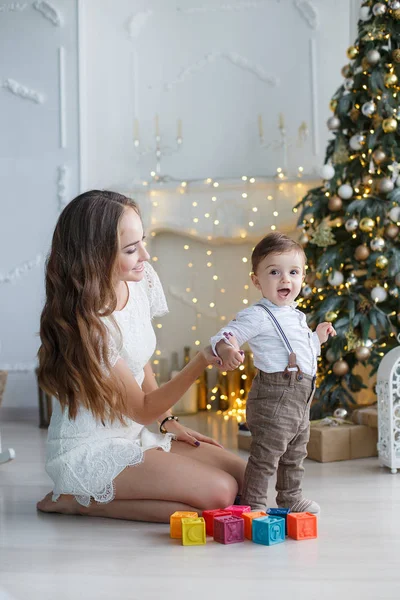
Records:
x=212, y=212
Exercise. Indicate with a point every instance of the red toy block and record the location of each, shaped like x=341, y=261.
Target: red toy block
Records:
x=209, y=515
x=238, y=510
x=248, y=522
x=302, y=526
x=228, y=529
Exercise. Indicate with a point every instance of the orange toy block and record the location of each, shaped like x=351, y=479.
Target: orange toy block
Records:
x=175, y=523
x=248, y=522
x=302, y=526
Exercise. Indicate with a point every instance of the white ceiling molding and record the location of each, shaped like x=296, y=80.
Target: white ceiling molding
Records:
x=22, y=91
x=49, y=12
x=232, y=57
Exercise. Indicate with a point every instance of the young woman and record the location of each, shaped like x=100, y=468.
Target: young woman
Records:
x=97, y=342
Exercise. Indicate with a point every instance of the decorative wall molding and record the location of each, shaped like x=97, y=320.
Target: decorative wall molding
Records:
x=62, y=96
x=18, y=367
x=314, y=94
x=13, y=6
x=232, y=57
x=22, y=91
x=21, y=270
x=175, y=293
x=309, y=12
x=62, y=186
x=138, y=21
x=49, y=12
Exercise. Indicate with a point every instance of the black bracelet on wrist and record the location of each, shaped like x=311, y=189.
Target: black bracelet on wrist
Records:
x=170, y=418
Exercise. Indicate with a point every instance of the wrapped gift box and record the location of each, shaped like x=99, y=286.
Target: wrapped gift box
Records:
x=342, y=442
x=365, y=416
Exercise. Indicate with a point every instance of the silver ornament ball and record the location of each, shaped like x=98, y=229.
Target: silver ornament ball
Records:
x=345, y=191
x=327, y=172
x=377, y=244
x=386, y=185
x=336, y=278
x=373, y=57
x=352, y=279
x=368, y=108
x=351, y=225
x=394, y=292
x=394, y=4
x=333, y=123
x=306, y=292
x=357, y=141
x=394, y=214
x=379, y=9
x=330, y=355
x=340, y=413
x=378, y=294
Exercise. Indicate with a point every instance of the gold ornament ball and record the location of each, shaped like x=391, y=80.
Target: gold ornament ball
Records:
x=389, y=125
x=381, y=262
x=379, y=156
x=346, y=70
x=367, y=224
x=352, y=52
x=390, y=79
x=333, y=105
x=335, y=203
x=362, y=353
x=361, y=253
x=340, y=368
x=396, y=14
x=365, y=64
x=396, y=55
x=392, y=231
x=331, y=316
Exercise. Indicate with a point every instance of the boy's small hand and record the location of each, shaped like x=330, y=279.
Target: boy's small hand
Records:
x=231, y=357
x=324, y=330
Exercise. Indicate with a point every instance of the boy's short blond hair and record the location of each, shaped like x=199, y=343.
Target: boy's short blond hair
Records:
x=274, y=243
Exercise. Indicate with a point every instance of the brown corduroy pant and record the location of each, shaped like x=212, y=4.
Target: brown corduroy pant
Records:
x=278, y=416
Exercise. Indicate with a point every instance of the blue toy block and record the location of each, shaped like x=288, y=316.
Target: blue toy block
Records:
x=268, y=530
x=279, y=512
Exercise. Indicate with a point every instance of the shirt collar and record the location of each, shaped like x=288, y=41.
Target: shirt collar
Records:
x=272, y=305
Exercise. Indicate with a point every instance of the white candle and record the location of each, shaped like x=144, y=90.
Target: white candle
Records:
x=260, y=127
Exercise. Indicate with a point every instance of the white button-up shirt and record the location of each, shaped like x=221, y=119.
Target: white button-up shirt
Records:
x=270, y=353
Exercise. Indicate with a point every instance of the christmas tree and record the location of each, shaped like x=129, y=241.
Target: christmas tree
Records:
x=351, y=222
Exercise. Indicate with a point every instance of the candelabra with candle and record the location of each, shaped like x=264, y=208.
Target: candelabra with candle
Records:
x=158, y=149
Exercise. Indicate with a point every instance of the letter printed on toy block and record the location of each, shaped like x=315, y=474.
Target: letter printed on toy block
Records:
x=175, y=523
x=302, y=526
x=209, y=516
x=248, y=521
x=279, y=512
x=193, y=532
x=228, y=529
x=268, y=530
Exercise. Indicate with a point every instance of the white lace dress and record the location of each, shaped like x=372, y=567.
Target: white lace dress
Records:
x=84, y=456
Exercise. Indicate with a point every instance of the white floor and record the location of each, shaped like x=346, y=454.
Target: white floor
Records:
x=356, y=555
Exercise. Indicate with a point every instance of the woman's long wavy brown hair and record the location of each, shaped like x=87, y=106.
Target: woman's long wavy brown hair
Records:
x=80, y=269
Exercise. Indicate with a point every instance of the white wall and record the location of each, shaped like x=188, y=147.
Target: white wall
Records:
x=39, y=169
x=203, y=61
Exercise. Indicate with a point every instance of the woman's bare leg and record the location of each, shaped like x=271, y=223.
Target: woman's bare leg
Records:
x=154, y=489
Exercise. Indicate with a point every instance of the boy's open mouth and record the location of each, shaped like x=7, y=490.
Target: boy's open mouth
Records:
x=284, y=292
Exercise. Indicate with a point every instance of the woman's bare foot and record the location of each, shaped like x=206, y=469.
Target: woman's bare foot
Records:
x=66, y=505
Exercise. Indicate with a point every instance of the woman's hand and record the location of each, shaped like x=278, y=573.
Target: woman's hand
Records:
x=189, y=436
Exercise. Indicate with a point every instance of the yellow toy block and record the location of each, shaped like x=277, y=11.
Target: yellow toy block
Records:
x=175, y=523
x=193, y=532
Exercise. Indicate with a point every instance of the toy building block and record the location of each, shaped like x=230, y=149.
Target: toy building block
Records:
x=228, y=529
x=238, y=510
x=248, y=521
x=209, y=515
x=268, y=530
x=175, y=523
x=193, y=531
x=302, y=526
x=279, y=512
